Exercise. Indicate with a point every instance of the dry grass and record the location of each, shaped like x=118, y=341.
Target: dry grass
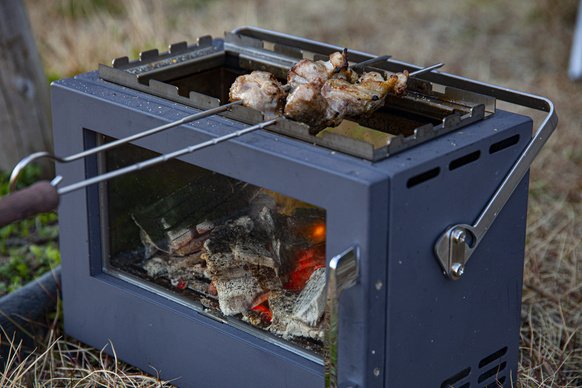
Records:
x=523, y=44
x=60, y=362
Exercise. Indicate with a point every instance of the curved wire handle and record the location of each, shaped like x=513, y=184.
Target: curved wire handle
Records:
x=105, y=147
x=21, y=165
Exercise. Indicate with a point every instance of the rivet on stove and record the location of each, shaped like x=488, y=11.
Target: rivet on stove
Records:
x=376, y=372
x=378, y=285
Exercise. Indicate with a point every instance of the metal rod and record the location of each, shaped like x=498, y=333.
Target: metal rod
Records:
x=108, y=146
x=426, y=70
x=162, y=158
x=368, y=62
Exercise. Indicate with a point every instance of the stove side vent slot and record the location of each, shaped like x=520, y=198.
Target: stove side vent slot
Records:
x=452, y=382
x=503, y=144
x=423, y=177
x=464, y=160
x=493, y=366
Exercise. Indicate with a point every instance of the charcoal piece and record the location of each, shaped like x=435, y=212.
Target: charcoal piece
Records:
x=223, y=265
x=223, y=237
x=239, y=279
x=310, y=305
x=186, y=267
x=268, y=279
x=282, y=304
x=199, y=286
x=209, y=303
x=297, y=328
x=186, y=243
x=252, y=252
x=204, y=227
x=255, y=318
x=198, y=270
x=236, y=295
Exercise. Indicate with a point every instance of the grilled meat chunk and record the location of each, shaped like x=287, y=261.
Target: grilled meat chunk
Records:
x=259, y=90
x=308, y=71
x=397, y=83
x=306, y=104
x=365, y=96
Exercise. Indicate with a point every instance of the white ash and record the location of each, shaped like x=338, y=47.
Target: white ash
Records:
x=236, y=295
x=156, y=267
x=240, y=279
x=310, y=304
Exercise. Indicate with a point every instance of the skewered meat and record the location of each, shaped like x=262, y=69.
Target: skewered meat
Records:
x=322, y=93
x=351, y=100
x=365, y=96
x=338, y=99
x=397, y=83
x=259, y=90
x=306, y=71
x=306, y=104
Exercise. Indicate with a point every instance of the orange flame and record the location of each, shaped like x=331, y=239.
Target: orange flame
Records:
x=318, y=232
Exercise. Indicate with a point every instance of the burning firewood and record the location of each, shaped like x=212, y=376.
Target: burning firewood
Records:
x=240, y=267
x=266, y=266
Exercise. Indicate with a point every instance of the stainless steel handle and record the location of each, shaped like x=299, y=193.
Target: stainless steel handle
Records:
x=456, y=245
x=458, y=242
x=343, y=271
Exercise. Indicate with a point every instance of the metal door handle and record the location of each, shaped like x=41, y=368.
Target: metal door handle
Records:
x=343, y=272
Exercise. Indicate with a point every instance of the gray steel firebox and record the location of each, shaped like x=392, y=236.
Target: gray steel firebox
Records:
x=403, y=322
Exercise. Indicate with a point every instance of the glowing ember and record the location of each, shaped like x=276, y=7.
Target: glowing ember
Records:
x=309, y=260
x=264, y=310
x=318, y=233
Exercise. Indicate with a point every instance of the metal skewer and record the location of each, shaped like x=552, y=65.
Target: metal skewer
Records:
x=368, y=62
x=105, y=147
x=162, y=158
x=425, y=70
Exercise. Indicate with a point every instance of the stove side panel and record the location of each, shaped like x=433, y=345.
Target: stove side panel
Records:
x=147, y=329
x=463, y=333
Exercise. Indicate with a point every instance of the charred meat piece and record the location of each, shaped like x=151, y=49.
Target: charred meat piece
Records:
x=259, y=90
x=316, y=73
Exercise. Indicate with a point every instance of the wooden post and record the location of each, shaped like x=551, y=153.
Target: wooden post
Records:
x=24, y=95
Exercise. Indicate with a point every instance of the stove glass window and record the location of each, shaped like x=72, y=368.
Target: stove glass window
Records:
x=243, y=253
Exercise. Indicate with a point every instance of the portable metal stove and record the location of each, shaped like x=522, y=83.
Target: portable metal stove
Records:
x=368, y=224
